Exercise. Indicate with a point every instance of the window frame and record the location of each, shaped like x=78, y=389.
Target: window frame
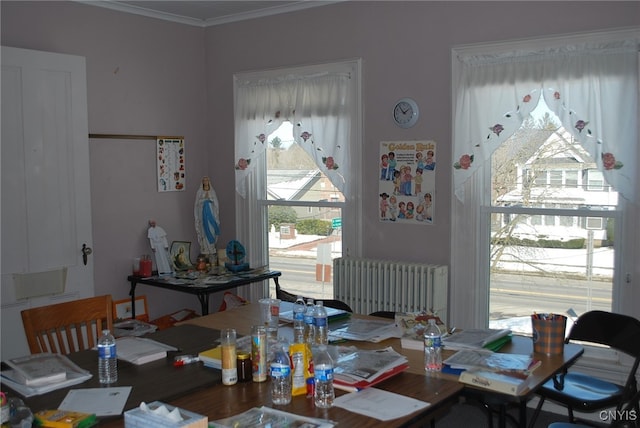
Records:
x=470, y=229
x=251, y=212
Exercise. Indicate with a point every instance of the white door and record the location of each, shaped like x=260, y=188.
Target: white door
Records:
x=46, y=205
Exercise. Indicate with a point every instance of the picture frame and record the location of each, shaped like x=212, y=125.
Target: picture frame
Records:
x=122, y=309
x=181, y=255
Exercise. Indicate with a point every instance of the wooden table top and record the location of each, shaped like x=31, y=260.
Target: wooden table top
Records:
x=199, y=390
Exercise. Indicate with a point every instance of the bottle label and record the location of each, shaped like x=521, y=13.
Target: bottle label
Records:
x=432, y=341
x=229, y=376
x=107, y=351
x=323, y=374
x=259, y=356
x=321, y=322
x=298, y=316
x=280, y=370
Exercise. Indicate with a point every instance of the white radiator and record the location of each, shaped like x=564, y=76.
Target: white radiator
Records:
x=380, y=285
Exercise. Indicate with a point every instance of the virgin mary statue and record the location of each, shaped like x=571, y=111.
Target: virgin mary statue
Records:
x=206, y=213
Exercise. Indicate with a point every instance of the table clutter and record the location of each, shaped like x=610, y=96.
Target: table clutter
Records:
x=374, y=365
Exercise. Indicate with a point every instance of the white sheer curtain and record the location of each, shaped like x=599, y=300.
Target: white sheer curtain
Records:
x=592, y=86
x=591, y=78
x=317, y=105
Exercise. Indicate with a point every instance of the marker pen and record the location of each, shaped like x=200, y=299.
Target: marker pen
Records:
x=183, y=360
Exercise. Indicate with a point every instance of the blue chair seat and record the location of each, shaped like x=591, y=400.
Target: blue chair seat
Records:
x=584, y=393
x=567, y=425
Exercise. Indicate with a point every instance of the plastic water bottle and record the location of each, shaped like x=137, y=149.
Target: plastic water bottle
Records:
x=432, y=347
x=299, y=310
x=309, y=322
x=321, y=323
x=107, y=358
x=281, y=376
x=324, y=393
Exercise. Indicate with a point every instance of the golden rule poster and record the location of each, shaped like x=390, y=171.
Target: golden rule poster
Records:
x=407, y=176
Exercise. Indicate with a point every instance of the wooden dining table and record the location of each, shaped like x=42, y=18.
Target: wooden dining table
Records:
x=198, y=389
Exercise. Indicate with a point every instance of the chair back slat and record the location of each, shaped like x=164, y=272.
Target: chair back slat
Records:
x=67, y=327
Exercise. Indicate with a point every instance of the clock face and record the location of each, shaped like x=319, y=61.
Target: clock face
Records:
x=405, y=113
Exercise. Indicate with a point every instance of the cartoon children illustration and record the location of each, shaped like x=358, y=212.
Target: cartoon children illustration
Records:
x=419, y=161
x=384, y=205
x=409, y=212
x=424, y=208
x=418, y=181
x=384, y=167
x=405, y=180
x=403, y=210
x=430, y=162
x=393, y=208
x=396, y=182
x=392, y=166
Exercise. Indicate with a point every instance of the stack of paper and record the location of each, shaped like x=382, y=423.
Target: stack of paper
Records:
x=517, y=365
x=501, y=372
x=494, y=381
x=367, y=330
x=474, y=338
x=139, y=350
x=356, y=369
x=41, y=373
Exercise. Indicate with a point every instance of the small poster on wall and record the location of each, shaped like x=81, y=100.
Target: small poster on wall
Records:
x=171, y=165
x=407, y=176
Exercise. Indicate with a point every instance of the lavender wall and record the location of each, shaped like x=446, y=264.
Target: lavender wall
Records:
x=144, y=76
x=405, y=49
x=147, y=76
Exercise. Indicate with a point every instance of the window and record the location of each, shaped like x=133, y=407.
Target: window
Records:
x=595, y=180
x=320, y=106
x=563, y=260
x=486, y=227
x=294, y=182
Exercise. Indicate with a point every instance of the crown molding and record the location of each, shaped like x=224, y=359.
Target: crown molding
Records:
x=258, y=13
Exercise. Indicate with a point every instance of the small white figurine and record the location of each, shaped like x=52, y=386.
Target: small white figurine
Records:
x=160, y=246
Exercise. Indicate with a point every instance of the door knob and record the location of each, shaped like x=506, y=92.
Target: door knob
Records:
x=85, y=252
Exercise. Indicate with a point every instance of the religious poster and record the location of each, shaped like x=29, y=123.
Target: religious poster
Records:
x=171, y=164
x=407, y=176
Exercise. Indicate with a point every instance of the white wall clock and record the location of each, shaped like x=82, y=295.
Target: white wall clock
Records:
x=405, y=113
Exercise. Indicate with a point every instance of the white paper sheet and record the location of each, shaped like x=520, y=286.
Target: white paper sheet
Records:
x=379, y=404
x=100, y=401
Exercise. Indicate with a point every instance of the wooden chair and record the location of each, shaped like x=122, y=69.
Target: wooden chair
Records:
x=67, y=327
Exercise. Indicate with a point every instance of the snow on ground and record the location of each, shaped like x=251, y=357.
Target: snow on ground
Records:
x=276, y=242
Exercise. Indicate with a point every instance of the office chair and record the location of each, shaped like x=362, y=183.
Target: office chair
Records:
x=67, y=327
x=285, y=296
x=335, y=304
x=585, y=393
x=383, y=314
